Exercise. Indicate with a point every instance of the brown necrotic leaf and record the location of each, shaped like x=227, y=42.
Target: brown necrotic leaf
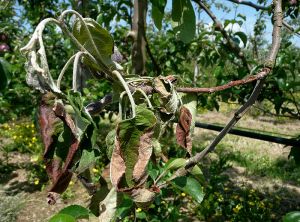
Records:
x=133, y=149
x=53, y=121
x=145, y=152
x=143, y=197
x=183, y=133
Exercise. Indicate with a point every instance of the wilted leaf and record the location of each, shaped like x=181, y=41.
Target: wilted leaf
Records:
x=167, y=94
x=108, y=207
x=75, y=211
x=190, y=186
x=183, y=134
x=102, y=39
x=133, y=147
x=143, y=197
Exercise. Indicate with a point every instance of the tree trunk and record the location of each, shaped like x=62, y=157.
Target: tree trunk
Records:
x=137, y=33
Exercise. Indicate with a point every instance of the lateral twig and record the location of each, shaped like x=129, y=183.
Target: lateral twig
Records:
x=270, y=61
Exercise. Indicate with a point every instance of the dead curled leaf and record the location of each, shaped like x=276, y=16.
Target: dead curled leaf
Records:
x=132, y=151
x=143, y=197
x=50, y=116
x=183, y=133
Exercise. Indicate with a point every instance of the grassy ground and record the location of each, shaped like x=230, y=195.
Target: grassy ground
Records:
x=246, y=178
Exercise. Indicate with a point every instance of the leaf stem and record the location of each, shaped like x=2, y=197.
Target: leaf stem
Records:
x=125, y=85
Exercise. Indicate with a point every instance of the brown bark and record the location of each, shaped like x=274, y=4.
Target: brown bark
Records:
x=137, y=33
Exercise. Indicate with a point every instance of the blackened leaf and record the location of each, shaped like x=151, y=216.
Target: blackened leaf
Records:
x=190, y=186
x=133, y=147
x=75, y=211
x=183, y=135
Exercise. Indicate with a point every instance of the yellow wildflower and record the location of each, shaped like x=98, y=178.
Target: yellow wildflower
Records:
x=34, y=159
x=220, y=199
x=32, y=125
x=30, y=144
x=71, y=183
x=36, y=182
x=251, y=203
x=237, y=208
x=14, y=137
x=44, y=166
x=183, y=194
x=138, y=210
x=95, y=170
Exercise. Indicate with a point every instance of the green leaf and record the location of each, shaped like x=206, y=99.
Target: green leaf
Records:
x=4, y=74
x=86, y=160
x=157, y=17
x=177, y=8
x=242, y=36
x=76, y=211
x=102, y=39
x=174, y=164
x=293, y=216
x=190, y=186
x=110, y=143
x=186, y=27
x=124, y=208
x=62, y=218
x=198, y=174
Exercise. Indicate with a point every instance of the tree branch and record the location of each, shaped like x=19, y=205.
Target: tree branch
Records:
x=251, y=4
x=264, y=8
x=270, y=61
x=155, y=64
x=246, y=80
x=218, y=25
x=138, y=29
